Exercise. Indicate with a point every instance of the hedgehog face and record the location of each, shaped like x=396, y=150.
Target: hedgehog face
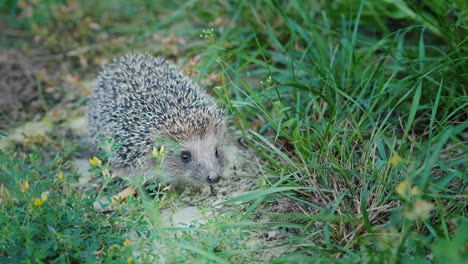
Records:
x=198, y=160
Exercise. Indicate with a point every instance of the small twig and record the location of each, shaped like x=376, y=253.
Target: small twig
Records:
x=41, y=94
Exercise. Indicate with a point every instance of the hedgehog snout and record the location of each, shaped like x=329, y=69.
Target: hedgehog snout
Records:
x=211, y=179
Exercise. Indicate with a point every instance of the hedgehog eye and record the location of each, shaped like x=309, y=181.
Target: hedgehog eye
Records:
x=185, y=156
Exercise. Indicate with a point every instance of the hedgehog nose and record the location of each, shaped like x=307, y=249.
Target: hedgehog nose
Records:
x=213, y=178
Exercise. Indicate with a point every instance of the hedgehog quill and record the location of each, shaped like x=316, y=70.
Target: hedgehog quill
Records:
x=145, y=105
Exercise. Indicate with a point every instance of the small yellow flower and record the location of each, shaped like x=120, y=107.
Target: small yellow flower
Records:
x=127, y=243
x=414, y=190
x=129, y=260
x=161, y=151
x=157, y=153
x=38, y=202
x=44, y=196
x=395, y=160
x=24, y=186
x=420, y=211
x=60, y=175
x=95, y=161
x=402, y=188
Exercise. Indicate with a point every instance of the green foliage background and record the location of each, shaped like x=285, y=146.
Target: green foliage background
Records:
x=345, y=100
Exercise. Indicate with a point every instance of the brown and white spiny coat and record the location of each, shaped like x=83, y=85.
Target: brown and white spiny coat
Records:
x=143, y=102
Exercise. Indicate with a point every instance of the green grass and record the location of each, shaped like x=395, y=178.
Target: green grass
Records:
x=358, y=107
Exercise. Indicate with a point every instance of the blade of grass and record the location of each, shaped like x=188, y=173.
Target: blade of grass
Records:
x=259, y=193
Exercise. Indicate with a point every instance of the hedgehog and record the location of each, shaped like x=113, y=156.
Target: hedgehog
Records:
x=147, y=106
